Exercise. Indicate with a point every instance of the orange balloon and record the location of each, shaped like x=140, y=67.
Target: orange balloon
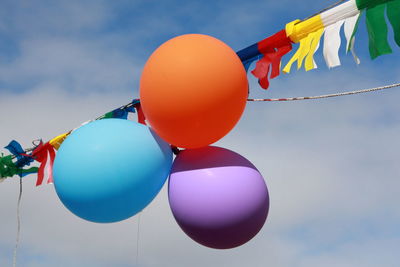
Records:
x=193, y=90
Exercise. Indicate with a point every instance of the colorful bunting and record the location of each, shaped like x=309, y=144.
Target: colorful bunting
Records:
x=328, y=23
x=362, y=4
x=332, y=43
x=45, y=155
x=350, y=28
x=117, y=114
x=308, y=46
x=376, y=24
x=16, y=149
x=141, y=118
x=377, y=31
x=122, y=112
x=57, y=141
x=8, y=168
x=309, y=32
x=393, y=14
x=273, y=49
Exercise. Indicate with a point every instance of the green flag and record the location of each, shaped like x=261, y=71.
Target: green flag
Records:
x=361, y=4
x=393, y=14
x=9, y=169
x=377, y=31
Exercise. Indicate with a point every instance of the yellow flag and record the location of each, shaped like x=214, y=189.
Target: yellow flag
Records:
x=57, y=141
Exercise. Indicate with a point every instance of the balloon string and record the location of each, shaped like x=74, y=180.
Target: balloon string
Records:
x=137, y=238
x=325, y=96
x=18, y=224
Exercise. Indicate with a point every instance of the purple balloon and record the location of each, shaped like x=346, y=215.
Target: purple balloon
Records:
x=217, y=197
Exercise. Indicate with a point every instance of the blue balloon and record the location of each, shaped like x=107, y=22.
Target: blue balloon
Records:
x=109, y=170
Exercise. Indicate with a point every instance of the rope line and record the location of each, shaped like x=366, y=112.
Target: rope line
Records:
x=18, y=224
x=325, y=96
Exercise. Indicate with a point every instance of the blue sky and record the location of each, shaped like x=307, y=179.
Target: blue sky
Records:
x=330, y=165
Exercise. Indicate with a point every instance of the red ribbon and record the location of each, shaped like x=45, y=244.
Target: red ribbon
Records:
x=43, y=153
x=273, y=49
x=140, y=114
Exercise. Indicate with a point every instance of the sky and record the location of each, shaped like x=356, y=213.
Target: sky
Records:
x=331, y=166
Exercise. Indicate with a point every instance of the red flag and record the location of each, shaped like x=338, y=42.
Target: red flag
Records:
x=140, y=114
x=273, y=49
x=45, y=154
